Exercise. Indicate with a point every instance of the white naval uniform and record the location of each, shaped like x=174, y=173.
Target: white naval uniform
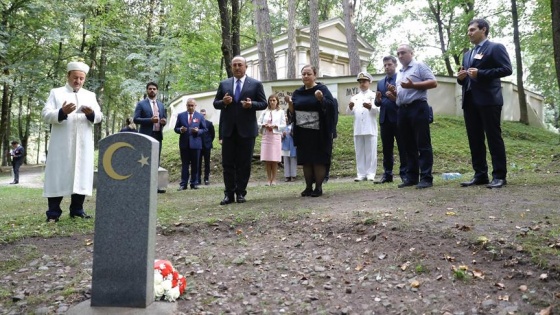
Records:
x=69, y=168
x=365, y=133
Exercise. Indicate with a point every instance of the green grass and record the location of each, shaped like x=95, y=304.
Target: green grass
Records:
x=531, y=151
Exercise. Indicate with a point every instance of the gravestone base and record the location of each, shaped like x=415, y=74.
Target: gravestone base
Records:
x=156, y=308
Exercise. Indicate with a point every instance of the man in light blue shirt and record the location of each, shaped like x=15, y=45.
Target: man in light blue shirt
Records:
x=411, y=95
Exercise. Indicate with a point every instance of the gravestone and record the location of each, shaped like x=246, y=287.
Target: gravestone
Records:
x=125, y=221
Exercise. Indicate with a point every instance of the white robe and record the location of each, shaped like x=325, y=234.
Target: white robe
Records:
x=69, y=168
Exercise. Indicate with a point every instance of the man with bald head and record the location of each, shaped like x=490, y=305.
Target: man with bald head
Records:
x=71, y=111
x=238, y=99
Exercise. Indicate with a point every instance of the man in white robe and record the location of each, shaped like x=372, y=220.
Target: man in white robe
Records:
x=71, y=111
x=365, y=128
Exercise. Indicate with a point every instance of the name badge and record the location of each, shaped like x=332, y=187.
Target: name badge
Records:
x=478, y=56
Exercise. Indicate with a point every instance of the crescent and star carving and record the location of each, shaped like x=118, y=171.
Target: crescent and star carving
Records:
x=108, y=159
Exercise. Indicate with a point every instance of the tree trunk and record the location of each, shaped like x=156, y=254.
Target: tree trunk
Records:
x=351, y=36
x=227, y=53
x=523, y=115
x=314, y=35
x=555, y=8
x=260, y=39
x=235, y=28
x=291, y=64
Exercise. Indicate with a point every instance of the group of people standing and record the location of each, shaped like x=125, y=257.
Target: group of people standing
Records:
x=400, y=101
x=405, y=114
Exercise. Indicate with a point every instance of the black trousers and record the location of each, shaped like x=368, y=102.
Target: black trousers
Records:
x=414, y=127
x=237, y=155
x=189, y=157
x=204, y=157
x=484, y=123
x=76, y=206
x=390, y=134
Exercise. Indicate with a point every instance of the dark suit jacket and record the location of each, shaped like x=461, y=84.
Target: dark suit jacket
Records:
x=493, y=65
x=234, y=116
x=143, y=116
x=208, y=136
x=387, y=108
x=187, y=139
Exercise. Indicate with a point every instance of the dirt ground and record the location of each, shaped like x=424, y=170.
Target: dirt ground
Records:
x=443, y=250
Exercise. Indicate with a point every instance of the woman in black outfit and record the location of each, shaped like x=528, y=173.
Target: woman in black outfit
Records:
x=313, y=108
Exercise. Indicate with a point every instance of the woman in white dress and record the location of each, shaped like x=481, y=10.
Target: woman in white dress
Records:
x=271, y=123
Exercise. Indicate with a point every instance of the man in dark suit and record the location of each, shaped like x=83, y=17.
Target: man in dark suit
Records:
x=238, y=99
x=388, y=123
x=480, y=74
x=207, y=140
x=151, y=116
x=191, y=125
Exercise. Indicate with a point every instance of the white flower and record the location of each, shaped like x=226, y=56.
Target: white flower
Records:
x=166, y=284
x=158, y=278
x=172, y=294
x=159, y=291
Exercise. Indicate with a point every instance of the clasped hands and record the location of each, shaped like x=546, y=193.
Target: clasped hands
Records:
x=288, y=99
x=471, y=72
x=364, y=104
x=184, y=129
x=228, y=99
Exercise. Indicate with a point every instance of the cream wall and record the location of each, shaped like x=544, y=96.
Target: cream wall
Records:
x=445, y=99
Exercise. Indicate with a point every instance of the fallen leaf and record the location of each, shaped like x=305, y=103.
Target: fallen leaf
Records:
x=450, y=213
x=449, y=258
x=439, y=277
x=405, y=265
x=500, y=285
x=359, y=267
x=239, y=231
x=382, y=256
x=481, y=240
x=503, y=298
x=543, y=277
x=89, y=242
x=464, y=267
x=546, y=311
x=415, y=284
x=478, y=274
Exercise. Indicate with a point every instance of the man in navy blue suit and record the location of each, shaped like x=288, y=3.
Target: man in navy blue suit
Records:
x=207, y=145
x=238, y=99
x=388, y=123
x=191, y=125
x=480, y=74
x=151, y=116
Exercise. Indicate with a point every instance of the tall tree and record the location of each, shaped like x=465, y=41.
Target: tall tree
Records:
x=523, y=116
x=264, y=35
x=314, y=35
x=555, y=8
x=349, y=7
x=291, y=64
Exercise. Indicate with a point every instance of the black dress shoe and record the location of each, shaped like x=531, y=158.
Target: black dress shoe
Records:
x=206, y=182
x=497, y=183
x=82, y=215
x=307, y=192
x=182, y=188
x=161, y=191
x=52, y=219
x=407, y=184
x=241, y=198
x=194, y=186
x=227, y=200
x=288, y=179
x=385, y=179
x=475, y=181
x=317, y=192
x=14, y=182
x=424, y=184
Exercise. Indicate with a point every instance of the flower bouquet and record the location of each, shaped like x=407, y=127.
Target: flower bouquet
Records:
x=168, y=283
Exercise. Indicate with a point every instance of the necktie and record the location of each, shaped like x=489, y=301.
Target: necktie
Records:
x=237, y=95
x=156, y=113
x=190, y=118
x=473, y=53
